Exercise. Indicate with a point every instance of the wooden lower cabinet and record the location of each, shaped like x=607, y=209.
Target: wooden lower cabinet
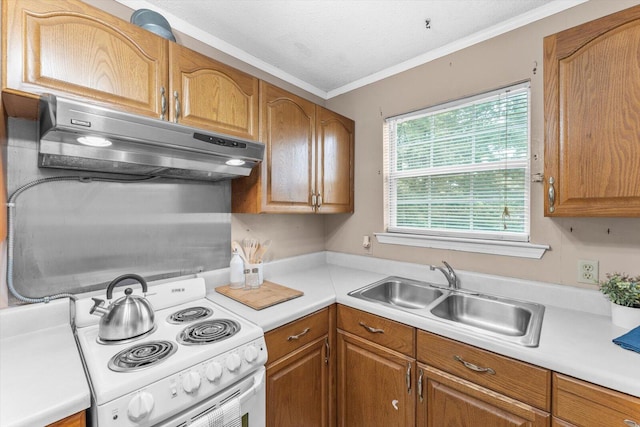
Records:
x=375, y=384
x=446, y=400
x=578, y=403
x=75, y=420
x=298, y=388
x=391, y=375
x=301, y=373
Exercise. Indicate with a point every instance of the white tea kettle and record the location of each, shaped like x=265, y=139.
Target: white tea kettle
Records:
x=128, y=317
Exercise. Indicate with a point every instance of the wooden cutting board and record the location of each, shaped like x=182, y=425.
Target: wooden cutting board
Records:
x=266, y=295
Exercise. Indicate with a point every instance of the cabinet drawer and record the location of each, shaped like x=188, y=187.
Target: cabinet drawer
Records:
x=585, y=404
x=522, y=381
x=294, y=335
x=390, y=334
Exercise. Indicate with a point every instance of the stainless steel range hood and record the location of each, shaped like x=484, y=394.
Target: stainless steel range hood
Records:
x=81, y=136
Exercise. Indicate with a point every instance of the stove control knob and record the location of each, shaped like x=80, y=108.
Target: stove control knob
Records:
x=233, y=362
x=250, y=353
x=191, y=381
x=140, y=406
x=214, y=371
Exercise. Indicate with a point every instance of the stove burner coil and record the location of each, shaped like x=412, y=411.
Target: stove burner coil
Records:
x=142, y=356
x=189, y=315
x=208, y=331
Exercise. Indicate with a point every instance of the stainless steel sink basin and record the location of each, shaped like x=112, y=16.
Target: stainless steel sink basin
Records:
x=519, y=320
x=506, y=319
x=400, y=292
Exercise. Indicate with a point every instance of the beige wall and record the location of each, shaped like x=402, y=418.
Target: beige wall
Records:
x=497, y=62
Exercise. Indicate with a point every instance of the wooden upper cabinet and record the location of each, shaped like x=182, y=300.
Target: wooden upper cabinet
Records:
x=212, y=95
x=308, y=165
x=70, y=48
x=288, y=130
x=592, y=118
x=283, y=183
x=335, y=160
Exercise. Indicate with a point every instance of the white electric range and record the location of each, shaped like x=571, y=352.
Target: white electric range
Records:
x=201, y=366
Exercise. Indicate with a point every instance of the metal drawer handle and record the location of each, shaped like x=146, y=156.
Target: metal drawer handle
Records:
x=631, y=423
x=474, y=367
x=319, y=198
x=295, y=337
x=420, y=385
x=372, y=330
x=408, y=377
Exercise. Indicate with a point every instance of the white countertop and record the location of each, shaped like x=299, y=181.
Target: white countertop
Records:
x=576, y=333
x=41, y=375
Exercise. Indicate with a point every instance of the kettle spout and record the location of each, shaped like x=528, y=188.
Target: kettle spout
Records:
x=98, y=308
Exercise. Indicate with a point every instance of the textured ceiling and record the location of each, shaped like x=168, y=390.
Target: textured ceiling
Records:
x=329, y=47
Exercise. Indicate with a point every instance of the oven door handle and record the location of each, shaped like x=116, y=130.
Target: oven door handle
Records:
x=258, y=381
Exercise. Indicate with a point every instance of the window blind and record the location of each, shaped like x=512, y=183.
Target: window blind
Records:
x=460, y=169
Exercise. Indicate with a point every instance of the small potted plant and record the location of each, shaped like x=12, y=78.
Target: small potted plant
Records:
x=624, y=293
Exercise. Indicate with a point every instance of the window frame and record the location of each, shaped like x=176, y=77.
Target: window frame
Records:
x=512, y=243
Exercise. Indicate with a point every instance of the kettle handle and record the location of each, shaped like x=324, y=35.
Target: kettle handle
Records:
x=119, y=279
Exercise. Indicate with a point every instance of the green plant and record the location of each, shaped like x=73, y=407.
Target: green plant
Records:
x=622, y=289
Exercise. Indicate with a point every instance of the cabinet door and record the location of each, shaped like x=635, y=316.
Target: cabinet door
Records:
x=446, y=400
x=283, y=183
x=298, y=387
x=209, y=95
x=70, y=48
x=335, y=151
x=592, y=118
x=375, y=386
x=76, y=420
x=582, y=404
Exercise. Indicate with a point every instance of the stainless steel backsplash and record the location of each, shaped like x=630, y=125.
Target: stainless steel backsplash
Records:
x=73, y=236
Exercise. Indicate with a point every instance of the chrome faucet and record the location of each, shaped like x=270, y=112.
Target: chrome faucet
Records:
x=449, y=273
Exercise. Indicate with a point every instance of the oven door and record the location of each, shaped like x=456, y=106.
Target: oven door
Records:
x=242, y=404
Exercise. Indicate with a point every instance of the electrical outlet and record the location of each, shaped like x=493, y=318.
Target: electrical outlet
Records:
x=588, y=272
x=366, y=244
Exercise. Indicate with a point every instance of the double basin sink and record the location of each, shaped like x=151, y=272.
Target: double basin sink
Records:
x=506, y=319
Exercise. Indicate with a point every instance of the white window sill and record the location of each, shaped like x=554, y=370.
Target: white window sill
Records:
x=493, y=247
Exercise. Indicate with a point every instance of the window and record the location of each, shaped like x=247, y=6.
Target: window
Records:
x=461, y=169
